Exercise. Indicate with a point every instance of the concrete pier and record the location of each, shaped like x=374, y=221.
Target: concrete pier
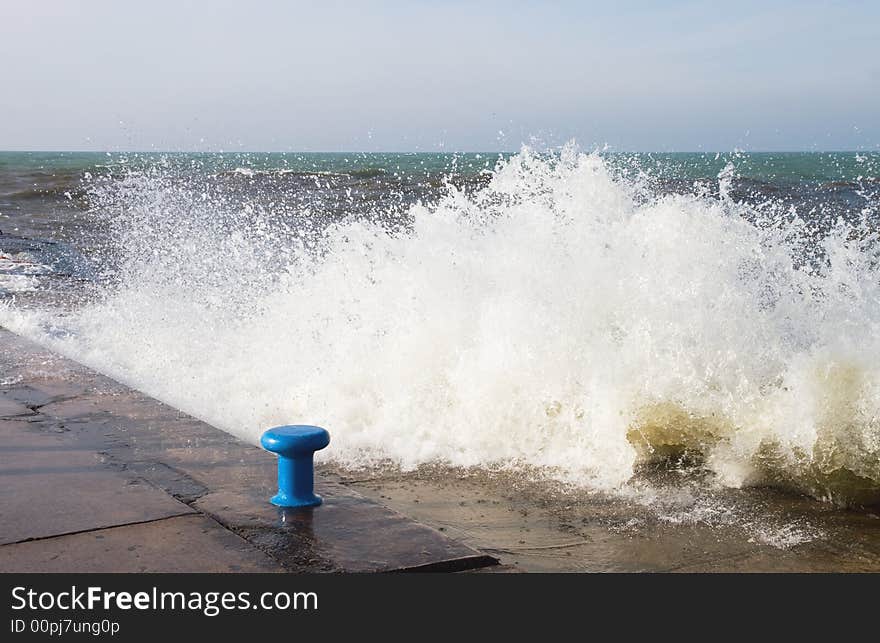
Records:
x=97, y=477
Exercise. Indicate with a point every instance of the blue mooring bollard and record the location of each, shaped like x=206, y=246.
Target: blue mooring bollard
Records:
x=295, y=446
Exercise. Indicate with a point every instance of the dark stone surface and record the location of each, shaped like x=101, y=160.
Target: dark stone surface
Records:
x=346, y=533
x=11, y=408
x=123, y=457
x=50, y=487
x=183, y=544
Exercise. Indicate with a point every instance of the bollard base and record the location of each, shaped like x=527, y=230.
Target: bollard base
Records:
x=291, y=502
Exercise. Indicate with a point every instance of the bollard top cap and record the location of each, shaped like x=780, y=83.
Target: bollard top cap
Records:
x=295, y=439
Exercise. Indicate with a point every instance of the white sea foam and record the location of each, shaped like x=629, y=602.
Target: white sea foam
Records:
x=560, y=318
x=19, y=272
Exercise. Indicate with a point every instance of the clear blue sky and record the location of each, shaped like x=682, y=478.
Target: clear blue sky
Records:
x=418, y=75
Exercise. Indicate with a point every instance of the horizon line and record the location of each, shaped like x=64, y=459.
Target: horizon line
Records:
x=402, y=152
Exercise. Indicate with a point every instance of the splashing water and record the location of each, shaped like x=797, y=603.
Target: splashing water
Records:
x=563, y=318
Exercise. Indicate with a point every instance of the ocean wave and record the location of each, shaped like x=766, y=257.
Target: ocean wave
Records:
x=556, y=319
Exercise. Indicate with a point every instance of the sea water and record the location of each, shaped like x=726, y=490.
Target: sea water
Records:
x=567, y=314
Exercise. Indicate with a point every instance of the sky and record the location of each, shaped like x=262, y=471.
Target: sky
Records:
x=267, y=75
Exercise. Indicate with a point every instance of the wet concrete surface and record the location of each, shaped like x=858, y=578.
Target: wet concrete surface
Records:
x=342, y=534
x=532, y=526
x=12, y=409
x=192, y=543
x=50, y=487
x=99, y=477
